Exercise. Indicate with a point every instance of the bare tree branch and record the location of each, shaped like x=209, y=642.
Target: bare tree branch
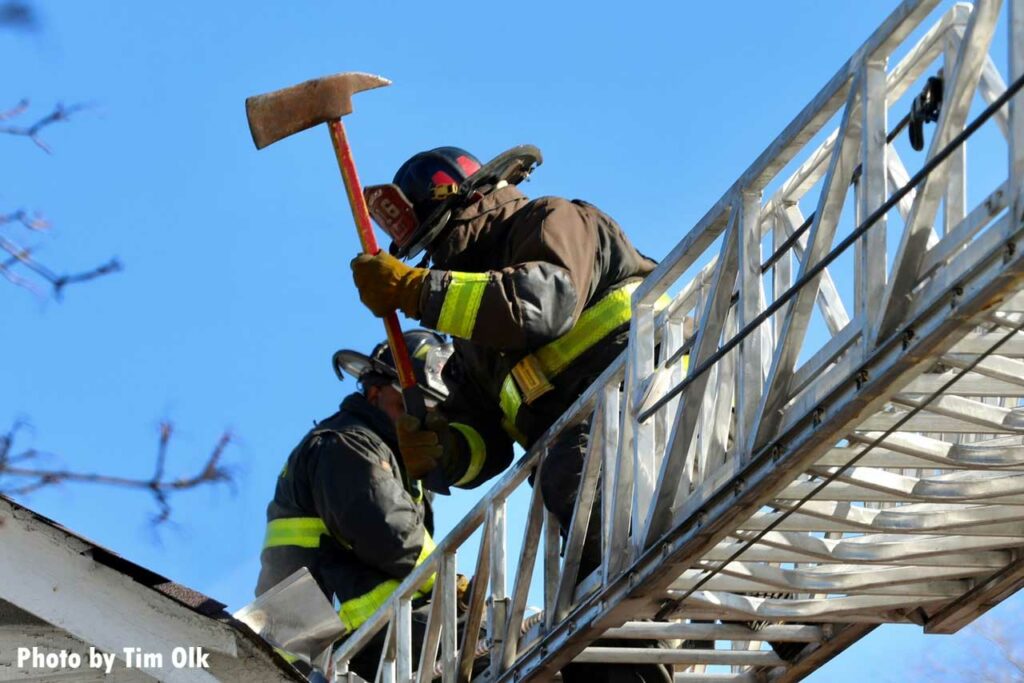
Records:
x=27, y=470
x=1010, y=663
x=59, y=114
x=23, y=256
x=19, y=255
x=20, y=479
x=35, y=223
x=988, y=651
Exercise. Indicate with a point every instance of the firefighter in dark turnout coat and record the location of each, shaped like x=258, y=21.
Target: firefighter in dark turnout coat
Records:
x=536, y=295
x=344, y=504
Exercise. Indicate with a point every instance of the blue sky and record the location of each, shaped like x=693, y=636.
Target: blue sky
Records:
x=236, y=287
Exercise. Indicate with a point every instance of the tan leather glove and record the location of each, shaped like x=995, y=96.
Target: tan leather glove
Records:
x=463, y=585
x=386, y=284
x=422, y=447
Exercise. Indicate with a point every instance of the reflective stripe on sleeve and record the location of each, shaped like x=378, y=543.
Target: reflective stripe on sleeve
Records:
x=461, y=303
x=355, y=612
x=477, y=452
x=304, y=532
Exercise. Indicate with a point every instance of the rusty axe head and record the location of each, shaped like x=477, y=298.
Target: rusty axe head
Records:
x=276, y=115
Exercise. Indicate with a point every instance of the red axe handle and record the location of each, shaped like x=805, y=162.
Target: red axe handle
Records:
x=403, y=363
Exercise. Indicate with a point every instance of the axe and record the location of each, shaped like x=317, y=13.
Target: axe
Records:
x=276, y=115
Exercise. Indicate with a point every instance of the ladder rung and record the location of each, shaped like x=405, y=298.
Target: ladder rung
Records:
x=645, y=655
x=661, y=630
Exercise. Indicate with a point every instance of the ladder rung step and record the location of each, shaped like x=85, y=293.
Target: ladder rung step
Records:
x=662, y=630
x=650, y=655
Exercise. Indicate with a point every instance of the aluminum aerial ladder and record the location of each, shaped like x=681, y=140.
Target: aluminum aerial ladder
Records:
x=844, y=447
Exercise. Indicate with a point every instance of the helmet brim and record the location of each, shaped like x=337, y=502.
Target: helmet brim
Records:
x=355, y=364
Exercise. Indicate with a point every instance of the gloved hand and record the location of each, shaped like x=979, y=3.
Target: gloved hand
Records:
x=386, y=284
x=463, y=586
x=422, y=447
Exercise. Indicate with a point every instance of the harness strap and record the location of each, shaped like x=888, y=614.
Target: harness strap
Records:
x=531, y=377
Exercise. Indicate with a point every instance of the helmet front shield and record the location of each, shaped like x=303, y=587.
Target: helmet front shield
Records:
x=393, y=212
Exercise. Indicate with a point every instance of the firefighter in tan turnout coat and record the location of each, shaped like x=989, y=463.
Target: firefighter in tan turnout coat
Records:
x=536, y=295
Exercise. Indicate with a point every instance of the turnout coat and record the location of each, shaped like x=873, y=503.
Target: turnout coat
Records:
x=536, y=294
x=344, y=507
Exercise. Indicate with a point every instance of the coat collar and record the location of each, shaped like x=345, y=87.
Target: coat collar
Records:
x=490, y=202
x=470, y=226
x=374, y=418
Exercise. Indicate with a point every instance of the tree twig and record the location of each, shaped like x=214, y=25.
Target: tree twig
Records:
x=18, y=479
x=35, y=223
x=23, y=255
x=59, y=114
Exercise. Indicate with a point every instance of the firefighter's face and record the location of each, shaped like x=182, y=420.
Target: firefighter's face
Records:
x=388, y=399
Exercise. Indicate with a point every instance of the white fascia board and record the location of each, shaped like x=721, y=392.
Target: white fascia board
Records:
x=45, y=572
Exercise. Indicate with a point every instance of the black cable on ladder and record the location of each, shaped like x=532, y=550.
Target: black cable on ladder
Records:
x=925, y=109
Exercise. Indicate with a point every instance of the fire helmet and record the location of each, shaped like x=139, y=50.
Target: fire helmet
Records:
x=429, y=351
x=416, y=206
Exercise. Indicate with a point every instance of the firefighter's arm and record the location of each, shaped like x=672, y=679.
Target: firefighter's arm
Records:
x=479, y=447
x=480, y=451
x=533, y=301
x=363, y=503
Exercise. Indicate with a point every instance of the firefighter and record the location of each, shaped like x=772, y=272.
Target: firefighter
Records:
x=536, y=295
x=345, y=506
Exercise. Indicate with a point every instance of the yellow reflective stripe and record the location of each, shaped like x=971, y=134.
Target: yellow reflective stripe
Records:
x=461, y=303
x=304, y=532
x=595, y=323
x=510, y=400
x=355, y=612
x=477, y=452
x=286, y=656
